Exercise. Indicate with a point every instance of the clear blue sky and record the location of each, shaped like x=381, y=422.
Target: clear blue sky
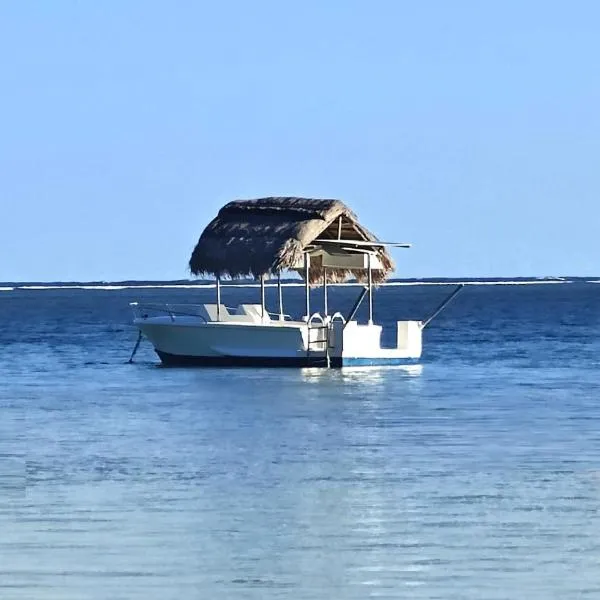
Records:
x=471, y=129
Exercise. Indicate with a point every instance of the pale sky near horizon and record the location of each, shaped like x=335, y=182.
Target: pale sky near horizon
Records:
x=471, y=129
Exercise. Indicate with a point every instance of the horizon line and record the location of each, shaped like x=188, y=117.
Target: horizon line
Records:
x=292, y=280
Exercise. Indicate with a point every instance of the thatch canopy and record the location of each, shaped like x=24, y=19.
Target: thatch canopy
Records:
x=270, y=235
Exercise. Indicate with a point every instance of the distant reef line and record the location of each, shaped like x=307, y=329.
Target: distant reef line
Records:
x=192, y=283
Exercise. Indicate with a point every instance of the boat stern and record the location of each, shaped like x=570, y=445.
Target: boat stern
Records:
x=360, y=345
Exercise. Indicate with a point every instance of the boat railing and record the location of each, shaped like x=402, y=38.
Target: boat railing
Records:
x=285, y=317
x=338, y=316
x=233, y=310
x=313, y=318
x=146, y=310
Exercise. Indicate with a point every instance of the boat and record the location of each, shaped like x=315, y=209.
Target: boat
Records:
x=323, y=241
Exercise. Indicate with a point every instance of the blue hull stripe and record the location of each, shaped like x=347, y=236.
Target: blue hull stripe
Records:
x=347, y=361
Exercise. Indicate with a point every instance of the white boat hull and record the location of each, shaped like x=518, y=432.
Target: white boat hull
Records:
x=188, y=340
x=228, y=343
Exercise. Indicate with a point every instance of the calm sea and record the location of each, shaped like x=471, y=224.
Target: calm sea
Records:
x=475, y=475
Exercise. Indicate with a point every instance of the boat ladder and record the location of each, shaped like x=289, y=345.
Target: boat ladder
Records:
x=318, y=339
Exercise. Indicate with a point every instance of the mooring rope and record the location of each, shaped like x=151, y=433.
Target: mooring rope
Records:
x=137, y=345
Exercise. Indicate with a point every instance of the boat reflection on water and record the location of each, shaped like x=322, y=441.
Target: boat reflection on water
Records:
x=363, y=375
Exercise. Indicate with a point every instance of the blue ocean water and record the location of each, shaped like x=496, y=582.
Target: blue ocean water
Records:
x=475, y=475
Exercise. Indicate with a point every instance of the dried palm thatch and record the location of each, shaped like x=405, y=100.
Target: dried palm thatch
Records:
x=270, y=235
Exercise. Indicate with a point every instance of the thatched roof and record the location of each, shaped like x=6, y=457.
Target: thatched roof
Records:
x=269, y=235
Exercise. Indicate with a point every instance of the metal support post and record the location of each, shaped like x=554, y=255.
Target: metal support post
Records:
x=325, y=291
x=280, y=294
x=262, y=296
x=370, y=289
x=306, y=283
x=218, y=297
